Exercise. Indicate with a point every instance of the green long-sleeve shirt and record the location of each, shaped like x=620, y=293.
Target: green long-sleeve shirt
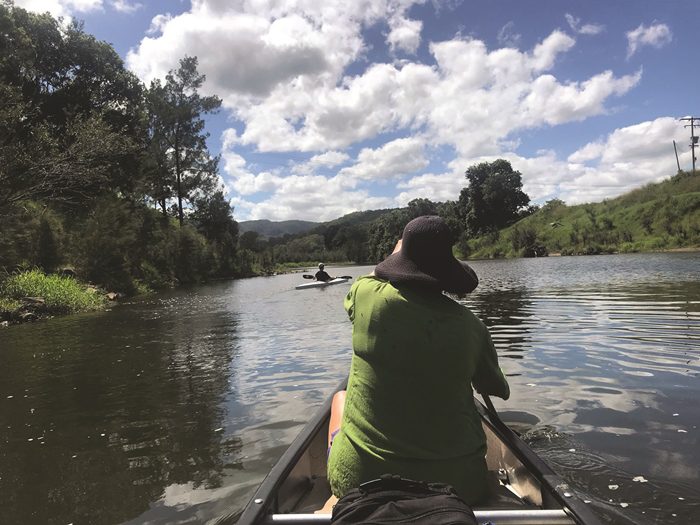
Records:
x=409, y=408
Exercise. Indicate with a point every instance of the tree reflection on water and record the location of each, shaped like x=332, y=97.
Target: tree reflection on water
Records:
x=96, y=426
x=507, y=313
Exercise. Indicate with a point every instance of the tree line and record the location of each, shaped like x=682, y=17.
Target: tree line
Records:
x=100, y=172
x=493, y=218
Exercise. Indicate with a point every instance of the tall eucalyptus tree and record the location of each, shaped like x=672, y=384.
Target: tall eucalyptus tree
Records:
x=184, y=168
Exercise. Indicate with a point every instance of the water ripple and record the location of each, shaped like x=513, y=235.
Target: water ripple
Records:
x=173, y=408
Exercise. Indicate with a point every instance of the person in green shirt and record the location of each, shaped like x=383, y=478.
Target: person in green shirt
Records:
x=409, y=407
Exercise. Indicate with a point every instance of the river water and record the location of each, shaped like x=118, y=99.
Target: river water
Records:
x=172, y=408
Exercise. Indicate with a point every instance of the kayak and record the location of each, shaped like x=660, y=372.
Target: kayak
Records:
x=525, y=490
x=322, y=284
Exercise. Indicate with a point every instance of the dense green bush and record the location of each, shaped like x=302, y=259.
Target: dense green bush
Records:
x=31, y=235
x=525, y=242
x=152, y=278
x=107, y=243
x=116, y=243
x=48, y=254
x=194, y=258
x=18, y=235
x=157, y=249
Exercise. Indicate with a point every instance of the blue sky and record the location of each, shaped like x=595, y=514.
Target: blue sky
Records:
x=336, y=106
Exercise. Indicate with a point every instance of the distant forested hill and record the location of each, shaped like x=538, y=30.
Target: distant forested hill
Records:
x=272, y=229
x=659, y=216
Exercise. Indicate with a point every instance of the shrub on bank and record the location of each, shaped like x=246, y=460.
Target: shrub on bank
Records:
x=31, y=235
x=153, y=279
x=60, y=294
x=108, y=243
x=8, y=306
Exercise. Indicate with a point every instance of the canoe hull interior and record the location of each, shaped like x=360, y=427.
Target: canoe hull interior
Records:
x=306, y=488
x=524, y=489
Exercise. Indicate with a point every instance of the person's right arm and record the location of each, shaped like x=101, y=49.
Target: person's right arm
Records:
x=488, y=377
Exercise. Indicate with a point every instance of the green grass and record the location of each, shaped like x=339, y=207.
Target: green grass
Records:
x=62, y=295
x=9, y=305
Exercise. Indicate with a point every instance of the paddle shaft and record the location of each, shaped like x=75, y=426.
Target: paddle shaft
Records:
x=492, y=409
x=489, y=404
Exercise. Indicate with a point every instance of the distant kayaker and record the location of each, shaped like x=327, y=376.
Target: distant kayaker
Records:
x=321, y=275
x=409, y=407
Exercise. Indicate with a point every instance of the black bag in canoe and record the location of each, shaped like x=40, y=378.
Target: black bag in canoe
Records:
x=392, y=499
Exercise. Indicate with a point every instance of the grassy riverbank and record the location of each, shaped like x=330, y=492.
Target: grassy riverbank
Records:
x=29, y=295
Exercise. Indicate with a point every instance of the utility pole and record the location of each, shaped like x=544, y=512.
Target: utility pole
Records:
x=693, y=137
x=677, y=161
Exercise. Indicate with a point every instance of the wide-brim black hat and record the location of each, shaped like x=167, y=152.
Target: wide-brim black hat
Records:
x=426, y=258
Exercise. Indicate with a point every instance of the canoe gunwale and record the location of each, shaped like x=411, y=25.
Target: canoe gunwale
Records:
x=553, y=485
x=266, y=493
x=500, y=517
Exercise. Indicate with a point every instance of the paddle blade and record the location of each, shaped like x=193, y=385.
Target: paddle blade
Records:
x=307, y=276
x=344, y=277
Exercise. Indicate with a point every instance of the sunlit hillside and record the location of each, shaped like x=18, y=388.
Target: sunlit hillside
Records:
x=659, y=216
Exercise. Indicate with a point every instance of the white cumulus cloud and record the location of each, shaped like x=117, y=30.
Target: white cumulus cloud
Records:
x=625, y=159
x=436, y=187
x=391, y=161
x=126, y=6
x=585, y=29
x=508, y=37
x=404, y=34
x=329, y=159
x=656, y=35
x=60, y=8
